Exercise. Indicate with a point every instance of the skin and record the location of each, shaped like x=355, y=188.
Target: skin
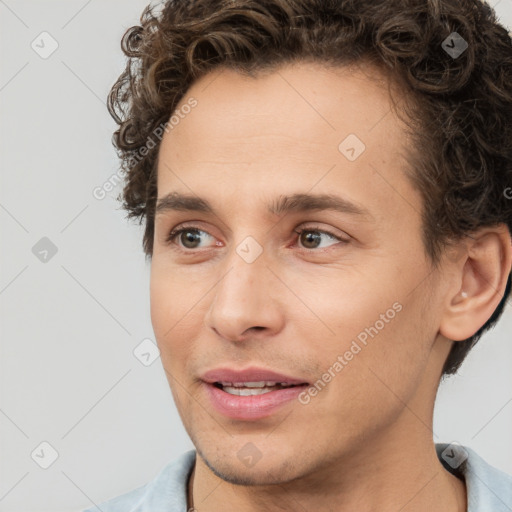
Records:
x=365, y=442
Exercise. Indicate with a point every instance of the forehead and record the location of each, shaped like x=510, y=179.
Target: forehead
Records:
x=300, y=100
x=299, y=127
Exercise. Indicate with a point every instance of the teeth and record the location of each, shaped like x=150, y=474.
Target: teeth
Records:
x=247, y=391
x=252, y=388
x=260, y=384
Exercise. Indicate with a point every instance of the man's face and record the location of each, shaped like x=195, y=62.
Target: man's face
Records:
x=241, y=289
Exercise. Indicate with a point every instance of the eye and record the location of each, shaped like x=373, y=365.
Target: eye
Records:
x=311, y=237
x=192, y=238
x=189, y=237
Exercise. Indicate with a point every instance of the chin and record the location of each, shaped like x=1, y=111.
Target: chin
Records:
x=239, y=469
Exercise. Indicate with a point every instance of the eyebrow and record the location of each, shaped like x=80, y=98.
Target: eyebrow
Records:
x=299, y=202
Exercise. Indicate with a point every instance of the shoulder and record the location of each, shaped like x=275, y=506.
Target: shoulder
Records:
x=167, y=491
x=488, y=488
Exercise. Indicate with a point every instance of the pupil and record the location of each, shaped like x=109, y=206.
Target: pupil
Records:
x=189, y=236
x=310, y=236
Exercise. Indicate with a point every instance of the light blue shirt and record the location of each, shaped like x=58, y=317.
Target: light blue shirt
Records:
x=488, y=488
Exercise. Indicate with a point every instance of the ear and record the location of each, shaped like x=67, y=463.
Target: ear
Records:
x=479, y=278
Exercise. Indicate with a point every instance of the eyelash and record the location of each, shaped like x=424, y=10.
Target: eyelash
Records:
x=176, y=232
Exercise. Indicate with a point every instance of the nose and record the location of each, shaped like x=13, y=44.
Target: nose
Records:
x=245, y=302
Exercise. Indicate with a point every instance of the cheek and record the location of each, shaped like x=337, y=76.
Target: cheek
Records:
x=169, y=305
x=390, y=365
x=173, y=296
x=178, y=303
x=160, y=307
x=379, y=335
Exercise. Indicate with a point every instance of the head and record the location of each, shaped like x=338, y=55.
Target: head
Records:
x=358, y=100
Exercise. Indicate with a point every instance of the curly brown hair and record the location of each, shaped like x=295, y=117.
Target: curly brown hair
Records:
x=458, y=107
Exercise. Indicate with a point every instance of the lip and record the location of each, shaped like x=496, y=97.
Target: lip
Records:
x=253, y=374
x=252, y=407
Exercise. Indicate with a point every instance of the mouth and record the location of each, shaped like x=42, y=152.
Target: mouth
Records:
x=250, y=394
x=253, y=388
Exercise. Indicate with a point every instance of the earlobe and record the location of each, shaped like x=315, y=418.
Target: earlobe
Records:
x=481, y=279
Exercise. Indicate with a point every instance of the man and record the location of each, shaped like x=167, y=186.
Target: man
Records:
x=325, y=186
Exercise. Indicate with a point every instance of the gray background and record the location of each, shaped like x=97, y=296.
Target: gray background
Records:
x=70, y=324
